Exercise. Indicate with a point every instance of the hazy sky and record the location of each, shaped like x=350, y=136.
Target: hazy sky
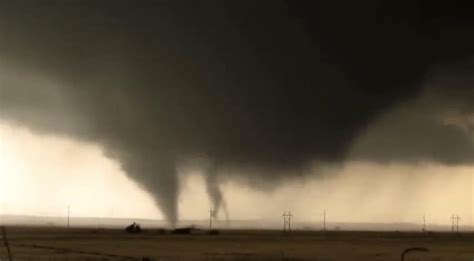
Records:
x=42, y=174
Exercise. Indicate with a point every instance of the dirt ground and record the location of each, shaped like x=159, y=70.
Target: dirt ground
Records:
x=27, y=243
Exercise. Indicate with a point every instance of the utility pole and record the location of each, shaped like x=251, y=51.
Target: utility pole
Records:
x=68, y=214
x=455, y=222
x=424, y=224
x=211, y=214
x=324, y=220
x=287, y=221
x=452, y=222
x=284, y=221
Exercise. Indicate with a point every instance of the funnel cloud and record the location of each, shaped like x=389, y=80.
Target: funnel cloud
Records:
x=264, y=89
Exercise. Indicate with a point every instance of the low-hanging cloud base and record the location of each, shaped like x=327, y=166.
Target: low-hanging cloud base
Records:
x=269, y=88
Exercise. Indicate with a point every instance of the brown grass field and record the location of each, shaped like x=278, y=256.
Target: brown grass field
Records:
x=43, y=243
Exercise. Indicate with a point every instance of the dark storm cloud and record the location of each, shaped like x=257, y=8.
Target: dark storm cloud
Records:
x=264, y=85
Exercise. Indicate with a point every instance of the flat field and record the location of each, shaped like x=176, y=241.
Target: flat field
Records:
x=43, y=243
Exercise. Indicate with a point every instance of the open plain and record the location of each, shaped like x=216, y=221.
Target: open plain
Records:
x=46, y=243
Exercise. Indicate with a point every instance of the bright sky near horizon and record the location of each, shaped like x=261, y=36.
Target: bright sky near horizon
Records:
x=42, y=175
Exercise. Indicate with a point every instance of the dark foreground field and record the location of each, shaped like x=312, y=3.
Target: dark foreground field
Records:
x=100, y=244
